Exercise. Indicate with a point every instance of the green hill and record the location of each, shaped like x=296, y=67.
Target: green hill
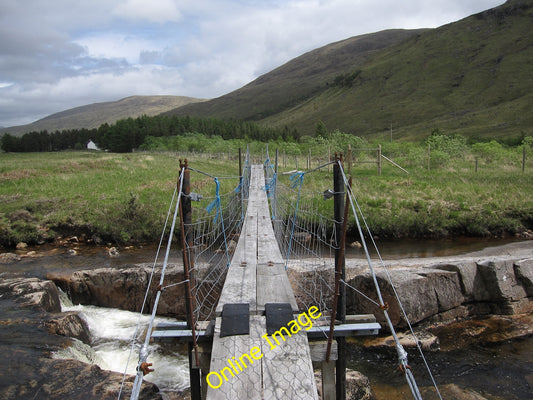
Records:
x=94, y=115
x=296, y=81
x=471, y=77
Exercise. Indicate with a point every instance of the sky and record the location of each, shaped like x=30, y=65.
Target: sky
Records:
x=60, y=54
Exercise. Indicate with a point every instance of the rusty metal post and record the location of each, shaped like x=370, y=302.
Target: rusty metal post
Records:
x=186, y=219
x=338, y=188
x=339, y=273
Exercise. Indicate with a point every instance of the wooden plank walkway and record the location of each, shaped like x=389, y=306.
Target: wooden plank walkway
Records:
x=257, y=276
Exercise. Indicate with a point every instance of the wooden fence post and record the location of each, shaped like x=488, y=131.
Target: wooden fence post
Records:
x=349, y=159
x=523, y=158
x=379, y=159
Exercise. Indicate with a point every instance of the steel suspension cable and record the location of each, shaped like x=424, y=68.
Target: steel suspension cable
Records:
x=402, y=354
x=142, y=366
x=146, y=293
x=404, y=313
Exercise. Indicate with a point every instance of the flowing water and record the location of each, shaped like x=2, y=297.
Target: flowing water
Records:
x=502, y=371
x=112, y=331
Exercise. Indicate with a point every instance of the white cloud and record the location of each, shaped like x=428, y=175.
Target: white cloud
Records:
x=59, y=54
x=48, y=98
x=115, y=45
x=158, y=11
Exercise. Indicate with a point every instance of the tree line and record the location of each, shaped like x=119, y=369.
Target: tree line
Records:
x=128, y=134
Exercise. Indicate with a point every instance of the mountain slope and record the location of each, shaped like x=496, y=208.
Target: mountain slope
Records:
x=297, y=80
x=94, y=115
x=471, y=77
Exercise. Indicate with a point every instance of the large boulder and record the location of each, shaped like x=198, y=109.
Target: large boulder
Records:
x=471, y=282
x=72, y=379
x=32, y=292
x=523, y=270
x=506, y=293
x=69, y=324
x=448, y=290
x=357, y=386
x=125, y=288
x=423, y=293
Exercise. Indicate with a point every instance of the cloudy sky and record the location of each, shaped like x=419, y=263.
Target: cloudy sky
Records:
x=60, y=54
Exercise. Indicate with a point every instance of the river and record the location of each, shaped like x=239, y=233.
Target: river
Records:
x=498, y=371
x=111, y=335
x=502, y=371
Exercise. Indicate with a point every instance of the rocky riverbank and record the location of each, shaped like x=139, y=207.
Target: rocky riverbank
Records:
x=32, y=327
x=432, y=289
x=484, y=296
x=443, y=290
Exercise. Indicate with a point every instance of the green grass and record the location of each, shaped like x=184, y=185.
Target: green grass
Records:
x=115, y=197
x=447, y=203
x=449, y=200
x=125, y=197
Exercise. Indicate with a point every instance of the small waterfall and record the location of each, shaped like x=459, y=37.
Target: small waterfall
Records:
x=111, y=334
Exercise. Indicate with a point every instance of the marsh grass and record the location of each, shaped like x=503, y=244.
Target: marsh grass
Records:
x=124, y=198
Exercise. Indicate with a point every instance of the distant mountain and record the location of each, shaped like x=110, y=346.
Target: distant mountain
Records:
x=471, y=77
x=94, y=115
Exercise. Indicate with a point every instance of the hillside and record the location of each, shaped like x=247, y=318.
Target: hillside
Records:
x=471, y=77
x=297, y=80
x=94, y=115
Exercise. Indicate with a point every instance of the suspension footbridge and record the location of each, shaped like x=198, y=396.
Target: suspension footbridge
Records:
x=264, y=288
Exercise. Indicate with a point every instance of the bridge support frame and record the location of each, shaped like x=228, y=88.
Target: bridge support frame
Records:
x=338, y=188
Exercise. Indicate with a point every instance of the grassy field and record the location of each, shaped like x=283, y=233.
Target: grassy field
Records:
x=113, y=197
x=122, y=198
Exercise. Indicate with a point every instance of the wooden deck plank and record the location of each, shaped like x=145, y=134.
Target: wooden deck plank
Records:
x=285, y=372
x=247, y=383
x=288, y=370
x=267, y=246
x=273, y=286
x=239, y=287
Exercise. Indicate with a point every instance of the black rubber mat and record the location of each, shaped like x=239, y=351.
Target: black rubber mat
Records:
x=235, y=319
x=277, y=315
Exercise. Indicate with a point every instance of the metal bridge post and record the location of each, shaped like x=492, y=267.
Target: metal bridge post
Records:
x=338, y=188
x=186, y=219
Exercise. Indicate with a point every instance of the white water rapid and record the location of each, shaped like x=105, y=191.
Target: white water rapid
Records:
x=111, y=335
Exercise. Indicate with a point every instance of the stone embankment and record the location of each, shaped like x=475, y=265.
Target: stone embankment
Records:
x=448, y=291
x=431, y=289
